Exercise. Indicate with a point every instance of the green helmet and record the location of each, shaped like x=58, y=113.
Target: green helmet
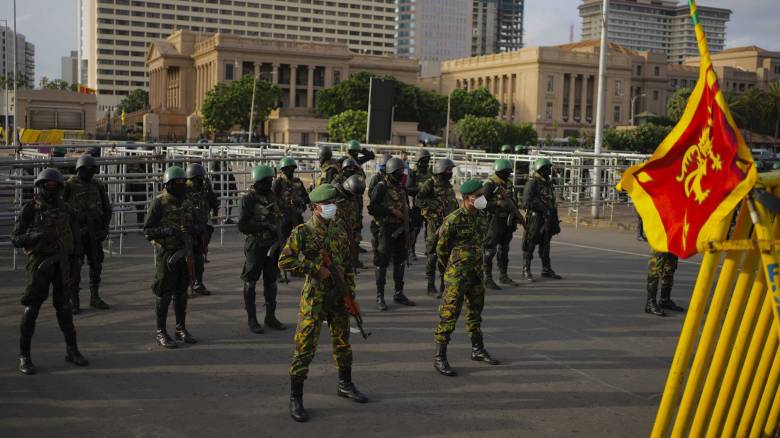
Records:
x=172, y=173
x=502, y=164
x=506, y=148
x=262, y=172
x=520, y=149
x=541, y=162
x=287, y=162
x=353, y=145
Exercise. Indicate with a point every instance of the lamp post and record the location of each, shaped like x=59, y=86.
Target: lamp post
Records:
x=633, y=105
x=596, y=193
x=5, y=86
x=447, y=132
x=252, y=109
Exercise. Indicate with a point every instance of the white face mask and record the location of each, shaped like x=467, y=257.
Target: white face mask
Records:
x=480, y=203
x=328, y=211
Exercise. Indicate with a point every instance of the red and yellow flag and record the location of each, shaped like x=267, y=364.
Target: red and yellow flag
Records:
x=698, y=174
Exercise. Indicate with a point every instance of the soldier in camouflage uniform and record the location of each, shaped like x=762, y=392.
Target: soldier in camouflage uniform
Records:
x=420, y=174
x=542, y=215
x=329, y=167
x=662, y=266
x=349, y=192
x=171, y=228
x=389, y=205
x=437, y=200
x=260, y=221
x=89, y=198
x=203, y=200
x=320, y=301
x=459, y=250
x=48, y=231
x=292, y=196
x=378, y=176
x=361, y=156
x=504, y=216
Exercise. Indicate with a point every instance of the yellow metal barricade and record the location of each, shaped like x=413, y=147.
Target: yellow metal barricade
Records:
x=725, y=377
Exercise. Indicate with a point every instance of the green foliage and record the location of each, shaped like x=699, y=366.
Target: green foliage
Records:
x=478, y=103
x=57, y=84
x=230, y=104
x=219, y=110
x=135, y=100
x=523, y=133
x=349, y=125
x=644, y=139
x=676, y=105
x=21, y=81
x=490, y=133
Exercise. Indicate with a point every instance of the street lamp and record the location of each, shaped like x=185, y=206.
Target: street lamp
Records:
x=6, y=104
x=633, y=105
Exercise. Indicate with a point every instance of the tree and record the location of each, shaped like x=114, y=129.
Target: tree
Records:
x=135, y=100
x=227, y=105
x=484, y=132
x=349, y=125
x=57, y=84
x=432, y=108
x=676, y=105
x=219, y=109
x=523, y=134
x=773, y=105
x=478, y=103
x=643, y=139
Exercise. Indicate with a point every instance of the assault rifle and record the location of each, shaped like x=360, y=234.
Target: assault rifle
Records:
x=349, y=301
x=405, y=228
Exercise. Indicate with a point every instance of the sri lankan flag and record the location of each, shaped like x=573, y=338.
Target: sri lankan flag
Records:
x=698, y=174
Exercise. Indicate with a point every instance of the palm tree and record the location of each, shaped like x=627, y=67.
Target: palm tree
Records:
x=773, y=93
x=751, y=109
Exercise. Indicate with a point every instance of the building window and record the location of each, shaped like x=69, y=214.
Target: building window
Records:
x=548, y=112
x=657, y=71
x=336, y=77
x=550, y=84
x=229, y=71
x=655, y=94
x=616, y=115
x=618, y=87
x=639, y=70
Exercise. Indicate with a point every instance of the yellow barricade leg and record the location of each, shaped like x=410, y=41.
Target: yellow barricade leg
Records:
x=770, y=429
x=757, y=389
x=770, y=390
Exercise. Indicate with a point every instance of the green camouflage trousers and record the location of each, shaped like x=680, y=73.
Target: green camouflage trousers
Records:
x=307, y=334
x=431, y=237
x=661, y=268
x=455, y=292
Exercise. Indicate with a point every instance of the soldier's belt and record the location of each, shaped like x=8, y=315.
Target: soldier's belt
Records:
x=48, y=261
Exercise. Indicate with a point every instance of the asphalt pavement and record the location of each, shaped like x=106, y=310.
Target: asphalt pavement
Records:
x=579, y=356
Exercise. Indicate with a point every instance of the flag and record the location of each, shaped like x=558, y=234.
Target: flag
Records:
x=698, y=174
x=123, y=117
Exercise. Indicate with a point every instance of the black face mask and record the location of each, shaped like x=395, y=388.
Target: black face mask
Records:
x=48, y=194
x=504, y=175
x=395, y=177
x=197, y=184
x=177, y=189
x=423, y=164
x=354, y=154
x=86, y=173
x=545, y=171
x=263, y=186
x=446, y=176
x=348, y=172
x=288, y=172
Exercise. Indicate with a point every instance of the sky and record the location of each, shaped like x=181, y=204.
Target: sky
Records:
x=52, y=26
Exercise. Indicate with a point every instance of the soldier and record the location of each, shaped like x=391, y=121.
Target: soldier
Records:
x=171, y=228
x=48, y=231
x=389, y=206
x=504, y=216
x=437, y=200
x=348, y=168
x=292, y=196
x=506, y=149
x=460, y=253
x=662, y=266
x=542, y=214
x=521, y=150
x=378, y=176
x=360, y=154
x=203, y=200
x=304, y=253
x=329, y=167
x=347, y=213
x=261, y=221
x=89, y=198
x=420, y=174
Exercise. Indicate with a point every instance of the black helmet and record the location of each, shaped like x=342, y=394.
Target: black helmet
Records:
x=383, y=161
x=50, y=175
x=394, y=164
x=86, y=161
x=442, y=166
x=95, y=152
x=325, y=154
x=355, y=184
x=422, y=153
x=195, y=170
x=349, y=162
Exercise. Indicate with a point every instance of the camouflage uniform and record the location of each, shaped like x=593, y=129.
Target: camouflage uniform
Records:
x=319, y=301
x=328, y=171
x=661, y=269
x=499, y=193
x=419, y=176
x=203, y=202
x=437, y=200
x=541, y=221
x=348, y=214
x=293, y=200
x=93, y=208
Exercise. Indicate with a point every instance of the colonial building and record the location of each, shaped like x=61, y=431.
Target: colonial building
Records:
x=185, y=66
x=741, y=68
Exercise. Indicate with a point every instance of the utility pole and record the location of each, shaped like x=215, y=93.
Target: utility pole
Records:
x=596, y=192
x=15, y=75
x=447, y=132
x=252, y=109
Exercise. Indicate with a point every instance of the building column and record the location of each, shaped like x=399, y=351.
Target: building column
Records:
x=328, y=76
x=572, y=97
x=293, y=79
x=257, y=70
x=584, y=98
x=275, y=73
x=310, y=86
x=164, y=81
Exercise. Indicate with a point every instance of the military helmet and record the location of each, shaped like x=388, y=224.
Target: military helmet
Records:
x=325, y=154
x=195, y=170
x=506, y=148
x=50, y=175
x=172, y=173
x=520, y=149
x=355, y=184
x=262, y=172
x=541, y=162
x=441, y=166
x=394, y=164
x=383, y=162
x=94, y=151
x=86, y=161
x=502, y=164
x=421, y=154
x=287, y=162
x=353, y=145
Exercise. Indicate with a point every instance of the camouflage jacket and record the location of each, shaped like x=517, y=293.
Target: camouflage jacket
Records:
x=328, y=171
x=291, y=194
x=499, y=194
x=90, y=201
x=538, y=195
x=303, y=254
x=460, y=242
x=384, y=198
x=436, y=199
x=203, y=201
x=164, y=220
x=418, y=177
x=260, y=217
x=347, y=210
x=40, y=225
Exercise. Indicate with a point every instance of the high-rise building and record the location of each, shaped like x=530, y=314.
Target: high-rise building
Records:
x=433, y=30
x=497, y=26
x=25, y=56
x=70, y=67
x=655, y=25
x=117, y=33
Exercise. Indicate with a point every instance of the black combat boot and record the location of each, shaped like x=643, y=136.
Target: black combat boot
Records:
x=503, y=266
x=26, y=365
x=297, y=411
x=347, y=389
x=547, y=272
x=251, y=309
x=667, y=303
x=161, y=311
x=398, y=279
x=478, y=352
x=432, y=286
x=489, y=283
x=200, y=288
x=180, y=307
x=652, y=306
x=270, y=317
x=74, y=300
x=27, y=328
x=65, y=321
x=527, y=275
x=75, y=357
x=94, y=298
x=381, y=279
x=440, y=361
x=504, y=279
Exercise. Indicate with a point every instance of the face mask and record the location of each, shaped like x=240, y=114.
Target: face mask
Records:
x=348, y=172
x=86, y=173
x=480, y=203
x=328, y=211
x=422, y=164
x=395, y=177
x=288, y=173
x=545, y=171
x=49, y=193
x=354, y=154
x=263, y=186
x=197, y=184
x=446, y=176
x=177, y=189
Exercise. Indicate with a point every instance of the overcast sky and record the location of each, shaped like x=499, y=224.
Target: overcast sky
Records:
x=51, y=25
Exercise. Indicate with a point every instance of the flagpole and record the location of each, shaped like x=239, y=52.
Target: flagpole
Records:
x=596, y=193
x=15, y=74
